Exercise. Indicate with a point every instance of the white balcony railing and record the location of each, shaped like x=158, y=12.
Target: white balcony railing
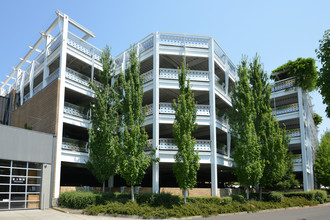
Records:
x=285, y=84
x=297, y=158
x=286, y=109
x=169, y=144
x=222, y=120
x=193, y=75
x=37, y=89
x=168, y=108
x=79, y=78
x=74, y=145
x=84, y=46
x=293, y=133
x=75, y=110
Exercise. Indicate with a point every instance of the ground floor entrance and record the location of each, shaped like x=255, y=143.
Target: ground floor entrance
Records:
x=20, y=185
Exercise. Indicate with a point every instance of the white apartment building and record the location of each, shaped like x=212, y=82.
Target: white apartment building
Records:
x=49, y=91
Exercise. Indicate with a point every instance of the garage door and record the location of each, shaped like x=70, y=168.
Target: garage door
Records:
x=20, y=184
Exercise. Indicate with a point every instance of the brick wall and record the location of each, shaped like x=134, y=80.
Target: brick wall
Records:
x=40, y=111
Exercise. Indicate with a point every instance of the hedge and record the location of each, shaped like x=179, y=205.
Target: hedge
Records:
x=318, y=195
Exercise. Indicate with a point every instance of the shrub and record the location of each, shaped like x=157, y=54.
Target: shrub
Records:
x=165, y=199
x=205, y=200
x=306, y=195
x=238, y=198
x=275, y=197
x=320, y=196
x=78, y=200
x=226, y=200
x=317, y=195
x=328, y=199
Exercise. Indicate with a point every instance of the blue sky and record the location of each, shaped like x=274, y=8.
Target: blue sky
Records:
x=277, y=30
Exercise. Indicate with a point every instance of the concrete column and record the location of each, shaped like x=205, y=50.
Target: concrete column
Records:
x=48, y=39
x=110, y=183
x=155, y=131
x=31, y=78
x=213, y=134
x=61, y=95
x=302, y=138
x=22, y=73
x=228, y=140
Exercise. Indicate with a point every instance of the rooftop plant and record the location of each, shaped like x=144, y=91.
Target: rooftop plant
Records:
x=303, y=69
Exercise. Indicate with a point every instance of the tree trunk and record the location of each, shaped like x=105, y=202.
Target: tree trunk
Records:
x=132, y=192
x=103, y=187
x=247, y=193
x=260, y=192
x=185, y=193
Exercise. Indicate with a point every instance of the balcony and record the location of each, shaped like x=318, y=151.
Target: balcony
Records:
x=75, y=115
x=297, y=158
x=79, y=82
x=169, y=144
x=74, y=145
x=293, y=133
x=168, y=108
x=285, y=84
x=286, y=109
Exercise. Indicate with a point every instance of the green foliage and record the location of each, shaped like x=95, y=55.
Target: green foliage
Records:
x=196, y=208
x=77, y=200
x=315, y=195
x=317, y=119
x=133, y=160
x=275, y=197
x=322, y=160
x=238, y=198
x=323, y=54
x=271, y=137
x=27, y=127
x=303, y=69
x=289, y=180
x=247, y=155
x=186, y=160
x=103, y=141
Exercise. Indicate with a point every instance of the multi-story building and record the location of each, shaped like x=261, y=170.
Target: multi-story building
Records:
x=50, y=92
x=294, y=111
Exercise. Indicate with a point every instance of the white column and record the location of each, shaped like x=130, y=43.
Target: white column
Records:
x=302, y=138
x=213, y=134
x=227, y=77
x=61, y=106
x=32, y=78
x=46, y=68
x=21, y=88
x=228, y=140
x=93, y=61
x=155, y=131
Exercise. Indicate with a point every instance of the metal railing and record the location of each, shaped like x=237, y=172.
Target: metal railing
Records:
x=168, y=108
x=79, y=78
x=286, y=109
x=74, y=145
x=75, y=110
x=170, y=144
x=283, y=84
x=293, y=133
x=297, y=158
x=193, y=75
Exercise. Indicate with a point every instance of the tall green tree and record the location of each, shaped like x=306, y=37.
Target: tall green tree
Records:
x=322, y=160
x=186, y=160
x=323, y=53
x=271, y=138
x=133, y=160
x=247, y=155
x=103, y=133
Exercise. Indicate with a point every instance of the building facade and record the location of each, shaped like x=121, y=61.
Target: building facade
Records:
x=50, y=92
x=293, y=108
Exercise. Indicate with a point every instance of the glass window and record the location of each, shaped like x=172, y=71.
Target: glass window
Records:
x=4, y=179
x=17, y=196
x=4, y=171
x=4, y=197
x=32, y=180
x=35, y=165
x=3, y=205
x=19, y=172
x=4, y=188
x=5, y=163
x=17, y=205
x=18, y=188
x=19, y=164
x=34, y=173
x=18, y=180
x=33, y=189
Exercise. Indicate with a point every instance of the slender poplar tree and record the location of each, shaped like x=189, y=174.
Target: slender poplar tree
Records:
x=247, y=155
x=271, y=138
x=187, y=159
x=133, y=160
x=103, y=133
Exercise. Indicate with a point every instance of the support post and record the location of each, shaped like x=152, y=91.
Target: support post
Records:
x=302, y=138
x=213, y=132
x=21, y=88
x=46, y=68
x=110, y=183
x=32, y=78
x=155, y=165
x=227, y=78
x=61, y=95
x=228, y=140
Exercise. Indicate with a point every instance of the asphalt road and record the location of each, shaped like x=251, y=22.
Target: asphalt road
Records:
x=307, y=213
